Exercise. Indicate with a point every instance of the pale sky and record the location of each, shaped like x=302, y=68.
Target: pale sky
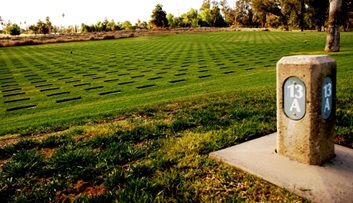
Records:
x=89, y=11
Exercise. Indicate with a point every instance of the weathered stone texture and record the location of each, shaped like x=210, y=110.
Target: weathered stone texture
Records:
x=310, y=139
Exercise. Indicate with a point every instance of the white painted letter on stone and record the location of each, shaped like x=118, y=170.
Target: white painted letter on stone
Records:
x=294, y=98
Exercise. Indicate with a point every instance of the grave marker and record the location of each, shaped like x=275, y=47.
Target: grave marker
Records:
x=145, y=86
x=94, y=88
x=16, y=100
x=68, y=99
x=21, y=107
x=306, y=103
x=204, y=76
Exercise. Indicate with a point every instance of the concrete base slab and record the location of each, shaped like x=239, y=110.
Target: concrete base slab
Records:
x=332, y=182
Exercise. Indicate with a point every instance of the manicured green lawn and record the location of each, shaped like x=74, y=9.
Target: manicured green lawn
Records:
x=44, y=87
x=172, y=100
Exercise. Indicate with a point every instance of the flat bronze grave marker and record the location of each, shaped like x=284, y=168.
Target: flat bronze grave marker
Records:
x=90, y=74
x=137, y=76
x=68, y=99
x=123, y=74
x=99, y=77
x=126, y=83
x=176, y=81
x=22, y=107
x=31, y=75
x=57, y=94
x=204, y=76
x=65, y=78
x=16, y=100
x=145, y=86
x=110, y=92
x=155, y=78
x=94, y=88
x=229, y=72
x=180, y=74
x=13, y=94
x=9, y=85
x=52, y=73
x=12, y=90
x=111, y=80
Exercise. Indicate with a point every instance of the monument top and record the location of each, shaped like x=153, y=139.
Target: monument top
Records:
x=306, y=59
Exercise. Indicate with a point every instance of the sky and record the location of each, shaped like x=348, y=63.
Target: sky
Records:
x=89, y=11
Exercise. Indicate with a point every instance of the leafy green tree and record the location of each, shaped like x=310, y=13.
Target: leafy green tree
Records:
x=14, y=29
x=217, y=18
x=316, y=14
x=244, y=13
x=55, y=29
x=111, y=26
x=179, y=22
x=205, y=13
x=294, y=10
x=85, y=28
x=42, y=27
x=190, y=19
x=105, y=25
x=141, y=25
x=171, y=20
x=126, y=25
x=210, y=15
x=159, y=17
x=34, y=29
x=271, y=7
x=228, y=12
x=346, y=19
x=99, y=27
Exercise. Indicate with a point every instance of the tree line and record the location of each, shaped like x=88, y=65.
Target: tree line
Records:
x=287, y=14
x=284, y=14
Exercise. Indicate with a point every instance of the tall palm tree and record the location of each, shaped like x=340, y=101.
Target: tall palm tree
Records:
x=47, y=20
x=62, y=26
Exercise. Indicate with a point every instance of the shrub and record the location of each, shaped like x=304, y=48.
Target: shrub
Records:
x=14, y=30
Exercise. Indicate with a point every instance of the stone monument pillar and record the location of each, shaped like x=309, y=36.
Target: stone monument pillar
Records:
x=306, y=107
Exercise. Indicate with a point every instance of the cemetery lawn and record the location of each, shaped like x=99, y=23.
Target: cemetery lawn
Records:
x=134, y=119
